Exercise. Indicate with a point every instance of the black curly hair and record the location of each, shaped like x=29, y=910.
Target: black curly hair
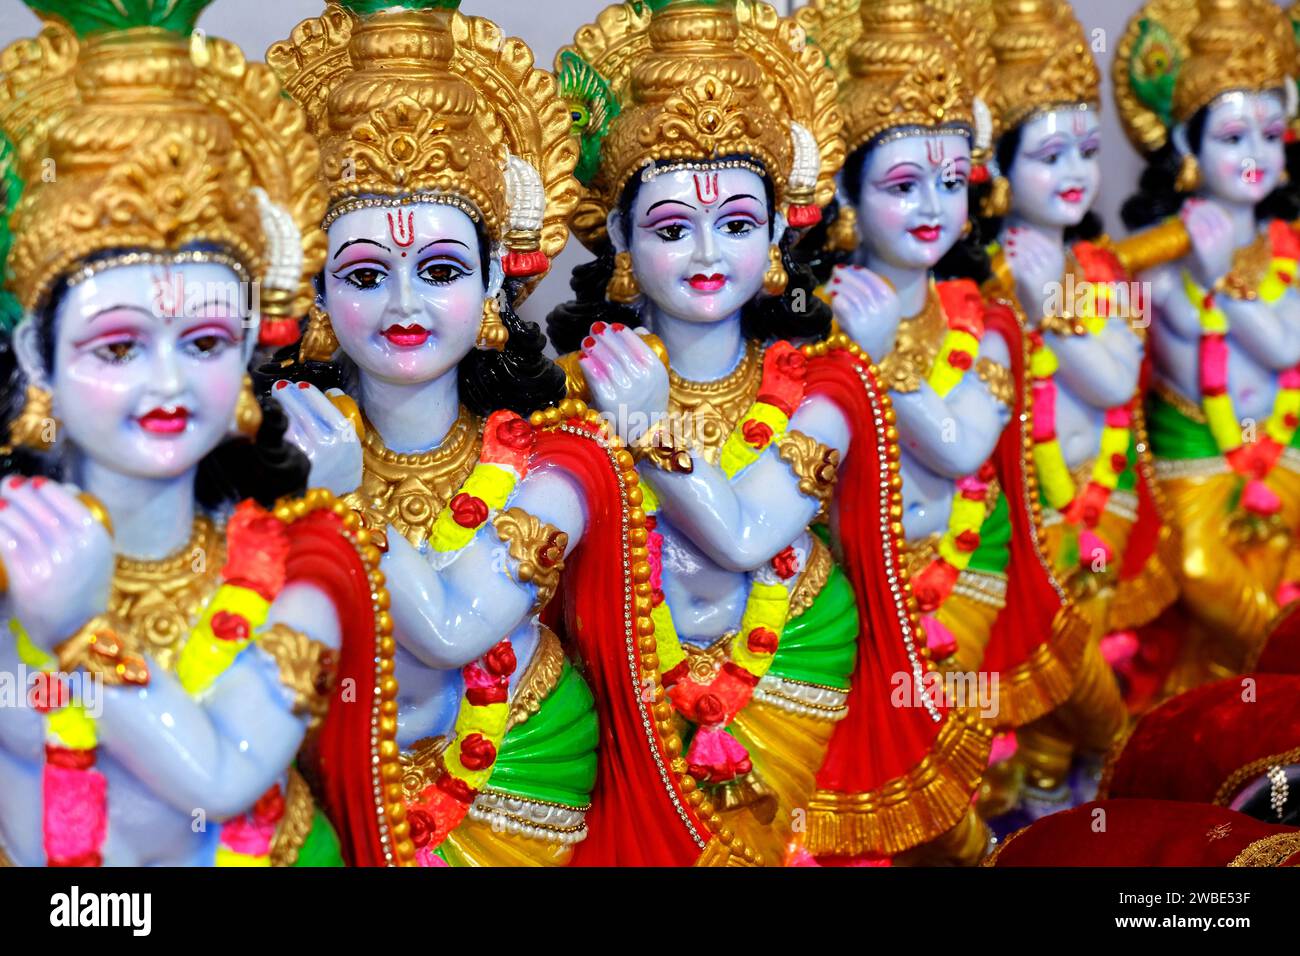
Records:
x=520, y=377
x=264, y=468
x=967, y=259
x=795, y=314
x=1156, y=198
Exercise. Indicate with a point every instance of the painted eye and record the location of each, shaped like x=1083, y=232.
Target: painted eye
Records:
x=738, y=227
x=117, y=353
x=903, y=188
x=1090, y=152
x=364, y=278
x=207, y=344
x=671, y=233
x=580, y=116
x=441, y=273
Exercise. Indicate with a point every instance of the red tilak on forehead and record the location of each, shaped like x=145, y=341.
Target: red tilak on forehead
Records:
x=1080, y=127
x=935, y=151
x=403, y=233
x=706, y=188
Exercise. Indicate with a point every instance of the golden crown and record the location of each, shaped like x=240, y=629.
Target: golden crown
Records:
x=907, y=65
x=418, y=103
x=159, y=144
x=1043, y=60
x=1178, y=56
x=702, y=81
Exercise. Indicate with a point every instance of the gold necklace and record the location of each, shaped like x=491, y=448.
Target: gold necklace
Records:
x=162, y=600
x=408, y=491
x=710, y=410
x=915, y=347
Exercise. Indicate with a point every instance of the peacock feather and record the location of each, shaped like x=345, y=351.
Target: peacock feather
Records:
x=363, y=7
x=10, y=188
x=592, y=105
x=1153, y=68
x=87, y=17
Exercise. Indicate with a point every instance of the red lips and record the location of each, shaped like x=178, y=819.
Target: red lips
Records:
x=163, y=421
x=703, y=283
x=1072, y=195
x=927, y=233
x=406, y=336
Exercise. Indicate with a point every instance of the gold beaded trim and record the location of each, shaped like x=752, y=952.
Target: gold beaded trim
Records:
x=429, y=199
x=93, y=268
x=390, y=805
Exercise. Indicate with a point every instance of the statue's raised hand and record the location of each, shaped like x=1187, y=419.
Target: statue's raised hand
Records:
x=324, y=434
x=866, y=307
x=1213, y=239
x=628, y=382
x=58, y=559
x=1038, y=264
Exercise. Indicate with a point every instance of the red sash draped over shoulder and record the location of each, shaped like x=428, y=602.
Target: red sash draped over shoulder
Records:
x=1039, y=637
x=897, y=773
x=361, y=722
x=643, y=811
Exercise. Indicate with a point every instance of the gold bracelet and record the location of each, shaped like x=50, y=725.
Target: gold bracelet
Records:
x=98, y=648
x=814, y=464
x=659, y=447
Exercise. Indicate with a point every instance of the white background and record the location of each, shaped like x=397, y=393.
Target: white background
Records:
x=549, y=24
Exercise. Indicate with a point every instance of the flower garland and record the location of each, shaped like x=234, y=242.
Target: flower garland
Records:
x=1255, y=460
x=1082, y=511
x=484, y=710
x=964, y=312
x=712, y=701
x=75, y=794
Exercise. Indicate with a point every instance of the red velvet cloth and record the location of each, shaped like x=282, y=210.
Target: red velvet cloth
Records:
x=1032, y=602
x=1140, y=833
x=1190, y=746
x=1281, y=654
x=876, y=742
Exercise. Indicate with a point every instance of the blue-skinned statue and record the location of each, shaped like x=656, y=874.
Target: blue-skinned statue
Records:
x=713, y=140
x=177, y=629
x=1086, y=324
x=913, y=81
x=423, y=399
x=1205, y=90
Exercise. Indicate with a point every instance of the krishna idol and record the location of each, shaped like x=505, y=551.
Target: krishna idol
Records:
x=712, y=134
x=448, y=160
x=179, y=640
x=1205, y=90
x=1089, y=447
x=918, y=135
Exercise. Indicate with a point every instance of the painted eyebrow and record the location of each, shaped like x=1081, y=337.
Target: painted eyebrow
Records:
x=121, y=307
x=1052, y=142
x=666, y=202
x=897, y=166
x=737, y=197
x=353, y=242
x=442, y=242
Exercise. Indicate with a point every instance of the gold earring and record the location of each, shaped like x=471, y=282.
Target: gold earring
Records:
x=1189, y=175
x=775, y=279
x=492, y=332
x=622, y=286
x=843, y=234
x=248, y=413
x=35, y=425
x=998, y=201
x=319, y=343
x=965, y=230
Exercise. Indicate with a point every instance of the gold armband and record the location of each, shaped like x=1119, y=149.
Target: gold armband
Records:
x=903, y=369
x=998, y=379
x=307, y=668
x=99, y=649
x=814, y=464
x=538, y=548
